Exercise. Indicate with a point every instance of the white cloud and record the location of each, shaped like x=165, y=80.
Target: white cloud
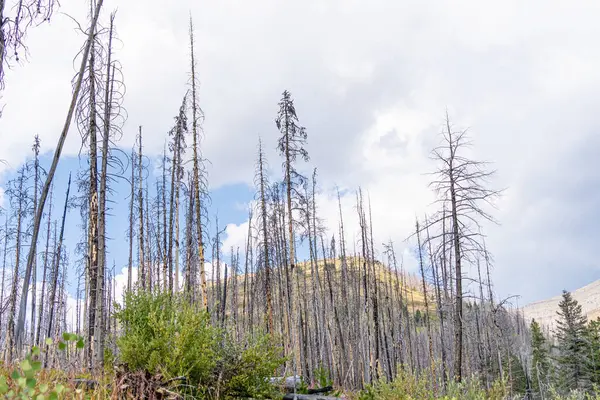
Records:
x=211, y=270
x=236, y=237
x=371, y=82
x=121, y=280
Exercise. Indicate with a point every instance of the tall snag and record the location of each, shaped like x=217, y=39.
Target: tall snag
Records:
x=43, y=292
x=460, y=187
x=196, y=115
x=36, y=176
x=40, y=209
x=56, y=266
x=290, y=146
x=131, y=221
x=262, y=183
x=89, y=114
x=112, y=111
x=141, y=248
x=18, y=195
x=426, y=301
x=177, y=149
x=7, y=237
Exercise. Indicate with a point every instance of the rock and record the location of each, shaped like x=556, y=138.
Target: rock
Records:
x=293, y=382
x=289, y=383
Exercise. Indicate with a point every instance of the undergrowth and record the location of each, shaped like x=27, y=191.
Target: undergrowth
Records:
x=168, y=349
x=168, y=335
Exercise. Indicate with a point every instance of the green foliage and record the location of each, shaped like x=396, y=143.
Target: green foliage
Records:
x=409, y=387
x=245, y=369
x=168, y=335
x=573, y=351
x=573, y=395
x=109, y=359
x=540, y=358
x=592, y=335
x=418, y=317
x=322, y=377
x=24, y=381
x=517, y=378
x=405, y=386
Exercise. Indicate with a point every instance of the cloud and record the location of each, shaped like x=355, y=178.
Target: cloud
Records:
x=371, y=81
x=236, y=237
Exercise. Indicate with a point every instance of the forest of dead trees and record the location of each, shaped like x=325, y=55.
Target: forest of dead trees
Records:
x=348, y=307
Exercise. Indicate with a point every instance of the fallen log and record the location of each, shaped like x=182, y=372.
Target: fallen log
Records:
x=292, y=396
x=320, y=390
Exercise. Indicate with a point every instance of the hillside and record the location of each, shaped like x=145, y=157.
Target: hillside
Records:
x=544, y=311
x=409, y=283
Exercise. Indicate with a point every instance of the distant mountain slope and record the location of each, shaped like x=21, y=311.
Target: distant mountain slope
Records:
x=545, y=311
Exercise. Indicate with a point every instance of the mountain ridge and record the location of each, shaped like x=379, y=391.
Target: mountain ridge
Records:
x=544, y=311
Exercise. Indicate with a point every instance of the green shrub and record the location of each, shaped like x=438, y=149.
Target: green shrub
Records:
x=168, y=335
x=248, y=367
x=405, y=386
x=24, y=382
x=322, y=376
x=408, y=386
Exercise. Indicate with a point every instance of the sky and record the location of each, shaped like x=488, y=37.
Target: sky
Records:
x=372, y=81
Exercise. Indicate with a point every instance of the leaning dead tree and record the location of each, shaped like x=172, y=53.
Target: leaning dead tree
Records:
x=46, y=188
x=463, y=195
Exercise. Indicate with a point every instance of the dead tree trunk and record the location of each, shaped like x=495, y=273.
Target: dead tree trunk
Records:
x=460, y=186
x=10, y=339
x=195, y=116
x=262, y=183
x=56, y=266
x=43, y=292
x=426, y=301
x=131, y=222
x=142, y=259
x=108, y=98
x=40, y=209
x=36, y=150
x=93, y=211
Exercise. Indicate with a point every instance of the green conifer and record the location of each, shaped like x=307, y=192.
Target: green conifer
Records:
x=593, y=341
x=573, y=351
x=540, y=363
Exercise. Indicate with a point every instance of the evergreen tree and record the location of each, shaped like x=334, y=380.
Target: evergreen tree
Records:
x=572, y=348
x=540, y=363
x=516, y=374
x=593, y=341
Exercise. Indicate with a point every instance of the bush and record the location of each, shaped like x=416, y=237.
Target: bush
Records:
x=167, y=335
x=246, y=369
x=409, y=387
x=29, y=381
